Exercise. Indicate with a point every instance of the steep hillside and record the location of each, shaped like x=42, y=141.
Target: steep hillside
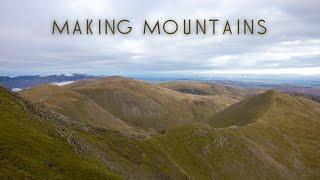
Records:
x=75, y=106
x=244, y=112
x=35, y=144
x=281, y=143
x=149, y=106
x=207, y=89
x=280, y=129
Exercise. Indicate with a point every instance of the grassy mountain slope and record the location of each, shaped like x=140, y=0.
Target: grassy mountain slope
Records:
x=207, y=89
x=279, y=144
x=280, y=141
x=75, y=106
x=244, y=112
x=269, y=105
x=284, y=130
x=33, y=148
x=203, y=152
x=149, y=106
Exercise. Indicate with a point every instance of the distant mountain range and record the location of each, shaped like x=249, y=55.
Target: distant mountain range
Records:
x=121, y=128
x=309, y=90
x=23, y=82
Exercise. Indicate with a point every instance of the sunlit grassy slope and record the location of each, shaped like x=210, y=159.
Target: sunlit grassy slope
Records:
x=31, y=149
x=77, y=107
x=147, y=105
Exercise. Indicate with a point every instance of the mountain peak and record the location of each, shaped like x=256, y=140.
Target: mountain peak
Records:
x=272, y=93
x=268, y=106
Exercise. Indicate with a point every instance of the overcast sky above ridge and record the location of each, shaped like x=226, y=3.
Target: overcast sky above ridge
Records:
x=292, y=45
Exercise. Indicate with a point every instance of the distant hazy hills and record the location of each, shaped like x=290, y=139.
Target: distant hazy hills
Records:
x=22, y=82
x=122, y=128
x=303, y=87
x=197, y=88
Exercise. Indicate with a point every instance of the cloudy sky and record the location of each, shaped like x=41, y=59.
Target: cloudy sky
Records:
x=291, y=46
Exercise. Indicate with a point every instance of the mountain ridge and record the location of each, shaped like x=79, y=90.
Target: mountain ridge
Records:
x=76, y=106
x=149, y=105
x=201, y=88
x=277, y=137
x=259, y=106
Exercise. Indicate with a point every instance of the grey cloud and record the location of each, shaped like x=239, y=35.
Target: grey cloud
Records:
x=26, y=45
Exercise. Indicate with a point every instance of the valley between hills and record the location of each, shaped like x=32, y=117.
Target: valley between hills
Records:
x=121, y=128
